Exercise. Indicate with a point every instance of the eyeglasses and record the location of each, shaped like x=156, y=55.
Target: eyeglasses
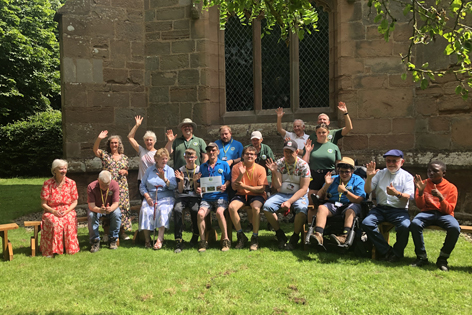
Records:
x=392, y=161
x=212, y=150
x=344, y=172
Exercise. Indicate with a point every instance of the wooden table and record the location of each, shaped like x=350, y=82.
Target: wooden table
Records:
x=7, y=247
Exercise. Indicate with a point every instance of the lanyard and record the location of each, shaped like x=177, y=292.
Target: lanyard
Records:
x=211, y=170
x=185, y=142
x=229, y=144
x=247, y=172
x=288, y=170
x=106, y=195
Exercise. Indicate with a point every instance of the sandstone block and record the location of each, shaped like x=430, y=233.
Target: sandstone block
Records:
x=126, y=88
x=115, y=76
x=84, y=70
x=460, y=133
x=163, y=115
x=439, y=123
x=372, y=126
x=184, y=46
x=182, y=24
x=159, y=78
x=136, y=77
x=175, y=35
x=73, y=26
x=427, y=141
x=150, y=37
x=114, y=63
x=103, y=28
x=129, y=31
x=454, y=103
x=427, y=105
x=395, y=80
x=403, y=125
x=151, y=63
x=351, y=31
x=374, y=48
x=159, y=95
x=97, y=65
x=128, y=4
x=189, y=77
x=108, y=99
x=138, y=99
x=76, y=48
x=170, y=13
x=135, y=65
x=158, y=26
x=372, y=32
x=384, y=142
x=149, y=15
x=72, y=151
x=163, y=3
x=124, y=117
x=385, y=103
x=90, y=115
x=370, y=81
x=120, y=49
x=350, y=66
x=173, y=62
x=385, y=64
x=69, y=73
x=402, y=32
x=75, y=95
x=355, y=143
x=157, y=48
x=186, y=110
x=183, y=94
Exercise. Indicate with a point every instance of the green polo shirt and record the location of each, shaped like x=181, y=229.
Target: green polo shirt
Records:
x=333, y=137
x=264, y=154
x=180, y=145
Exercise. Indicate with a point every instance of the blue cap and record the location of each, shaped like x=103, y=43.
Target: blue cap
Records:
x=394, y=153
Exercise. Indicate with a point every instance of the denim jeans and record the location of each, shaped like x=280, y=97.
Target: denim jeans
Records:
x=446, y=221
x=94, y=223
x=396, y=216
x=273, y=203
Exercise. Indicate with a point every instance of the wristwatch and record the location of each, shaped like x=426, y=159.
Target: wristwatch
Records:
x=345, y=193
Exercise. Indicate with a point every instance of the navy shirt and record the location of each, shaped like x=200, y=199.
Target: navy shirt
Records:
x=221, y=169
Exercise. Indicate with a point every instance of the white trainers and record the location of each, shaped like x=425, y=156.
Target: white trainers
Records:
x=105, y=238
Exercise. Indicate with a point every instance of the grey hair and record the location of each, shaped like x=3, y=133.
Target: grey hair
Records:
x=121, y=149
x=323, y=114
x=104, y=177
x=58, y=163
x=150, y=134
x=303, y=123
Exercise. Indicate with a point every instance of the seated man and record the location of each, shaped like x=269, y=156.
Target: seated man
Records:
x=103, y=198
x=249, y=181
x=216, y=199
x=393, y=187
x=186, y=197
x=344, y=193
x=291, y=177
x=437, y=198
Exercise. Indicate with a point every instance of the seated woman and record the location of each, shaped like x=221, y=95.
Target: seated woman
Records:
x=157, y=187
x=59, y=222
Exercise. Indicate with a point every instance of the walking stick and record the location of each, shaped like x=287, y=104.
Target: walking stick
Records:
x=155, y=209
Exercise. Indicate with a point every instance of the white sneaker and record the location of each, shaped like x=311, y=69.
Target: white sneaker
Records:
x=105, y=238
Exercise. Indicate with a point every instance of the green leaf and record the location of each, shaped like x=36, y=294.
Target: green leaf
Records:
x=458, y=89
x=403, y=76
x=424, y=84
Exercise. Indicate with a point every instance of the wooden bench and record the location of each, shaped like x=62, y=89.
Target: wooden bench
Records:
x=7, y=247
x=36, y=225
x=385, y=228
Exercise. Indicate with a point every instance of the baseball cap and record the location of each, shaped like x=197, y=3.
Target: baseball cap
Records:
x=211, y=145
x=290, y=144
x=256, y=135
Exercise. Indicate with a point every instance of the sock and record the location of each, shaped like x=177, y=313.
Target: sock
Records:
x=240, y=231
x=255, y=234
x=319, y=230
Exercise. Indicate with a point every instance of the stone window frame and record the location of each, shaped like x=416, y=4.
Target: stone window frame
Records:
x=309, y=114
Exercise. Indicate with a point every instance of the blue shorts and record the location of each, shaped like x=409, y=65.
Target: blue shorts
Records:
x=341, y=210
x=248, y=199
x=214, y=204
x=273, y=203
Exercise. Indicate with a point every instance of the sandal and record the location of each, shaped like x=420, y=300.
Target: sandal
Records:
x=147, y=245
x=157, y=245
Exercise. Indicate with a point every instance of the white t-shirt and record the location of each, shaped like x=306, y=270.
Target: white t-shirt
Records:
x=299, y=140
x=401, y=180
x=146, y=159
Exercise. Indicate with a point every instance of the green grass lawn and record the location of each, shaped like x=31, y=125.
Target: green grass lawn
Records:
x=133, y=280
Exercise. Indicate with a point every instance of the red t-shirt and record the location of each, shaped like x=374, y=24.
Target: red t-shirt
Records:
x=428, y=202
x=96, y=195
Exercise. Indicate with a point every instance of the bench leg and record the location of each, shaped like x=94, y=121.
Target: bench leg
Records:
x=10, y=251
x=210, y=233
x=33, y=246
x=7, y=247
x=229, y=225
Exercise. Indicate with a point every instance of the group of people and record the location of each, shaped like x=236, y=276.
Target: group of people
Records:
x=226, y=176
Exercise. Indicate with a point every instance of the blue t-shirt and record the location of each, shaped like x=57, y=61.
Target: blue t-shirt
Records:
x=355, y=185
x=231, y=150
x=221, y=169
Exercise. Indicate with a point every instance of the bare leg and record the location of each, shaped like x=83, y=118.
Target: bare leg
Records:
x=321, y=215
x=256, y=210
x=202, y=213
x=310, y=192
x=147, y=235
x=273, y=220
x=234, y=206
x=220, y=215
x=299, y=221
x=160, y=235
x=349, y=217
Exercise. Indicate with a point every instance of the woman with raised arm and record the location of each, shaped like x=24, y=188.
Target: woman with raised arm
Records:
x=59, y=222
x=322, y=156
x=114, y=161
x=146, y=155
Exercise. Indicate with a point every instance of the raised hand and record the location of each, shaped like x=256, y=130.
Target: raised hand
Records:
x=309, y=146
x=280, y=112
x=342, y=107
x=138, y=120
x=161, y=174
x=197, y=177
x=103, y=134
x=271, y=165
x=420, y=186
x=242, y=169
x=170, y=135
x=179, y=175
x=371, y=170
x=328, y=179
x=391, y=190
x=435, y=192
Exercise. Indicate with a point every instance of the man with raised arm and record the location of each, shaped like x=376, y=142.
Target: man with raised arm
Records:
x=230, y=150
x=335, y=134
x=214, y=197
x=344, y=193
x=249, y=181
x=437, y=198
x=298, y=135
x=177, y=146
x=103, y=198
x=393, y=188
x=291, y=177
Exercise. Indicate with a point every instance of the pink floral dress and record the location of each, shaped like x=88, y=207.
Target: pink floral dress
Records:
x=59, y=232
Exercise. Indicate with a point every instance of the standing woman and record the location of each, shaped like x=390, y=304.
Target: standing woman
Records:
x=146, y=155
x=114, y=161
x=59, y=222
x=322, y=157
x=158, y=179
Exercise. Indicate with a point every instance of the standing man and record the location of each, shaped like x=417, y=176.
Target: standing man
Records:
x=230, y=150
x=103, y=198
x=217, y=199
x=298, y=135
x=437, y=198
x=335, y=134
x=291, y=177
x=263, y=152
x=249, y=181
x=393, y=187
x=177, y=146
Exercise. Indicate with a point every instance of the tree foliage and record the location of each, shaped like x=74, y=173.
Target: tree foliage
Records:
x=431, y=20
x=29, y=58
